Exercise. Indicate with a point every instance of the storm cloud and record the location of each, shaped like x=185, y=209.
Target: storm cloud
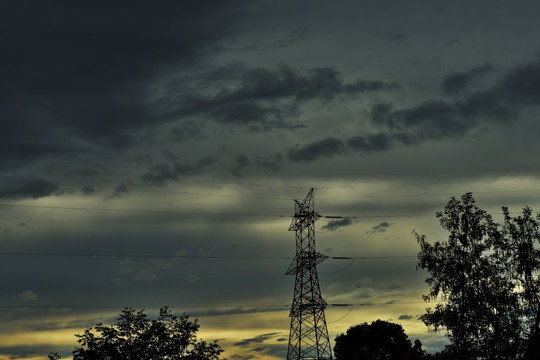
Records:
x=333, y=225
x=259, y=98
x=156, y=150
x=161, y=173
x=380, y=228
x=455, y=82
x=328, y=147
x=28, y=188
x=516, y=90
x=79, y=71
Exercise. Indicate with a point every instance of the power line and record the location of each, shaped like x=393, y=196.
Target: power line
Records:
x=428, y=183
x=190, y=193
x=422, y=195
x=138, y=210
x=94, y=172
x=65, y=306
x=201, y=257
x=198, y=212
x=204, y=213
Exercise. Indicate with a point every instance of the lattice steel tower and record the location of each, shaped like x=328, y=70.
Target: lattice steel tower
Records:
x=308, y=337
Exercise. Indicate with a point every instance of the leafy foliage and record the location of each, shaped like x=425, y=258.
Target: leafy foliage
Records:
x=135, y=337
x=376, y=341
x=488, y=275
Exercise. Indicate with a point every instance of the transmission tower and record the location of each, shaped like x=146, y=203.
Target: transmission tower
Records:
x=308, y=337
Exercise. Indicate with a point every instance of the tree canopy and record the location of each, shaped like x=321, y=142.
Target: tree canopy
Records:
x=376, y=341
x=134, y=336
x=487, y=276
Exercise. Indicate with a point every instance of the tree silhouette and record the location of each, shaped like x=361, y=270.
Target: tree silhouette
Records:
x=376, y=341
x=488, y=275
x=135, y=337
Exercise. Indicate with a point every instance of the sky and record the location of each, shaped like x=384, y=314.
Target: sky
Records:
x=150, y=155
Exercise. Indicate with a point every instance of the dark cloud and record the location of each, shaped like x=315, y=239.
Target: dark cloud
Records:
x=169, y=155
x=366, y=143
x=328, y=147
x=30, y=188
x=78, y=72
x=452, y=42
x=518, y=88
x=88, y=190
x=521, y=85
x=242, y=161
x=405, y=317
x=259, y=98
x=272, y=162
x=140, y=159
x=234, y=311
x=281, y=42
x=398, y=37
x=241, y=357
x=187, y=130
x=382, y=227
x=456, y=82
x=259, y=339
x=365, y=85
x=431, y=119
x=437, y=119
x=375, y=142
x=336, y=224
x=161, y=173
x=120, y=190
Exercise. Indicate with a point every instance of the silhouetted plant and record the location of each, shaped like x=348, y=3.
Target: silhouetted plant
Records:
x=135, y=337
x=487, y=274
x=376, y=341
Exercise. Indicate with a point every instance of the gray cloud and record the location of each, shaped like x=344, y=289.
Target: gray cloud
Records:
x=406, y=317
x=328, y=147
x=272, y=162
x=120, y=190
x=398, y=37
x=259, y=339
x=259, y=98
x=27, y=295
x=161, y=173
x=107, y=87
x=144, y=276
x=31, y=188
x=89, y=84
x=374, y=142
x=431, y=119
x=242, y=161
x=336, y=224
x=88, y=190
x=456, y=82
x=187, y=130
x=519, y=87
x=382, y=227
